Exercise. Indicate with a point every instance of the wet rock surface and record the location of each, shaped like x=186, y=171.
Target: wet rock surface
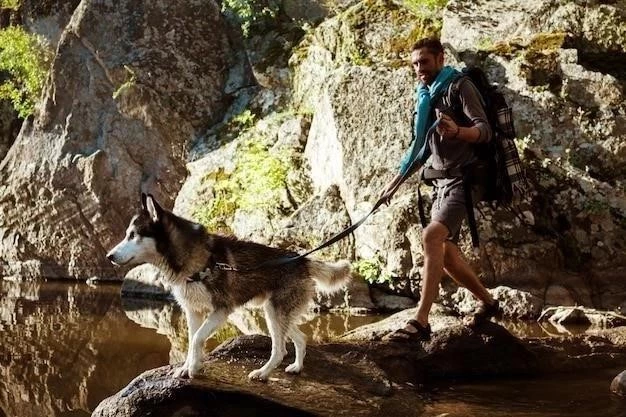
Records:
x=618, y=386
x=337, y=380
x=358, y=377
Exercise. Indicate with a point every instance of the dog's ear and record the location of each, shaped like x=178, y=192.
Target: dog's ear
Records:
x=154, y=210
x=144, y=197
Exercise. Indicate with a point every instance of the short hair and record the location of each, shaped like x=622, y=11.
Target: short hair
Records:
x=432, y=44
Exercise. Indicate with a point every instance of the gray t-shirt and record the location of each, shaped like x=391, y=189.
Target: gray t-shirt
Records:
x=456, y=153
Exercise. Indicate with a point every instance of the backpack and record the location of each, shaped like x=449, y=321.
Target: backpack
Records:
x=506, y=182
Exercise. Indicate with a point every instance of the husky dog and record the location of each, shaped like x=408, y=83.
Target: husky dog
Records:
x=211, y=275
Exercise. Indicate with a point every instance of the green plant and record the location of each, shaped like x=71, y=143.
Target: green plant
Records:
x=371, y=270
x=219, y=210
x=251, y=12
x=25, y=60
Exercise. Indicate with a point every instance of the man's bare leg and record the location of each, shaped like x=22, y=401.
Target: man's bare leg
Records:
x=433, y=240
x=460, y=271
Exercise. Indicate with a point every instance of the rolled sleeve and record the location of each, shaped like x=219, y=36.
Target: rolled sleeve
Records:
x=473, y=109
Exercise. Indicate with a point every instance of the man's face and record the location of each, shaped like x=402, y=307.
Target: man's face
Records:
x=426, y=65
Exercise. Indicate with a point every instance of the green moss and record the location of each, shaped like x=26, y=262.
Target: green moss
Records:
x=422, y=28
x=10, y=4
x=256, y=183
x=414, y=19
x=25, y=60
x=596, y=207
x=217, y=213
x=225, y=333
x=261, y=177
x=540, y=43
x=130, y=81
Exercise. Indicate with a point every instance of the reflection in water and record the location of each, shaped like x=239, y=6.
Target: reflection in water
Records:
x=65, y=347
x=167, y=319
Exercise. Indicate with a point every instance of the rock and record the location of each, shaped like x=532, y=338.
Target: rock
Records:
x=559, y=295
x=355, y=298
x=336, y=374
x=390, y=302
x=564, y=316
x=618, y=385
x=316, y=221
x=9, y=127
x=47, y=18
x=438, y=319
x=71, y=181
x=515, y=304
x=337, y=380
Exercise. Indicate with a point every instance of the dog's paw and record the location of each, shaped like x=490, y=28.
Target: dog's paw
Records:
x=258, y=375
x=181, y=372
x=294, y=368
x=194, y=370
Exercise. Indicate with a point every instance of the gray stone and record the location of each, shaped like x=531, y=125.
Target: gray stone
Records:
x=618, y=385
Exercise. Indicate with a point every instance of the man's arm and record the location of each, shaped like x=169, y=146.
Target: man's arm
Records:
x=480, y=131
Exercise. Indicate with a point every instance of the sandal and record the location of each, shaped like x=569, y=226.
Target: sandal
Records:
x=484, y=313
x=420, y=333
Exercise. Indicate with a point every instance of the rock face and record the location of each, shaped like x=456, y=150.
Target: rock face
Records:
x=117, y=115
x=131, y=83
x=9, y=127
x=567, y=245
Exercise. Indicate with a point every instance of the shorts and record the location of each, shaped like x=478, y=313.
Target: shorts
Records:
x=449, y=206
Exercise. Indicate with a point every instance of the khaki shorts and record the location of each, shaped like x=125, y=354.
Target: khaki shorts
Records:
x=449, y=206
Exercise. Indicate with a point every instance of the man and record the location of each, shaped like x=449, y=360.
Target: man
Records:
x=460, y=123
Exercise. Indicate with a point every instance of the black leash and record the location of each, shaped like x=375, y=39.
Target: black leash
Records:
x=336, y=238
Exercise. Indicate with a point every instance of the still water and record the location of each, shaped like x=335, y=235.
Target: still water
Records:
x=64, y=347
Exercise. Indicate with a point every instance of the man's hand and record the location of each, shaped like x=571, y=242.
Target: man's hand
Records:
x=447, y=127
x=388, y=190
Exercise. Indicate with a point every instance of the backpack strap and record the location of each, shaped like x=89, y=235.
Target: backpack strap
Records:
x=469, y=208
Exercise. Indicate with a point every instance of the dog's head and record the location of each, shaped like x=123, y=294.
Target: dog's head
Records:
x=140, y=243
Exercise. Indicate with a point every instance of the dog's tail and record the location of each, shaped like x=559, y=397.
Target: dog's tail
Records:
x=329, y=278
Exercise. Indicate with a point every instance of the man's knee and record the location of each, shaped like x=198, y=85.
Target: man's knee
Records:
x=434, y=234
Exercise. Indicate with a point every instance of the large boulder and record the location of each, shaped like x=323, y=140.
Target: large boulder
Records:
x=129, y=86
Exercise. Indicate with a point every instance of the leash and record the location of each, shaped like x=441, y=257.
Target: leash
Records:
x=288, y=259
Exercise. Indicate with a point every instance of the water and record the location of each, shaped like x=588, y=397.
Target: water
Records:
x=65, y=347
x=580, y=395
